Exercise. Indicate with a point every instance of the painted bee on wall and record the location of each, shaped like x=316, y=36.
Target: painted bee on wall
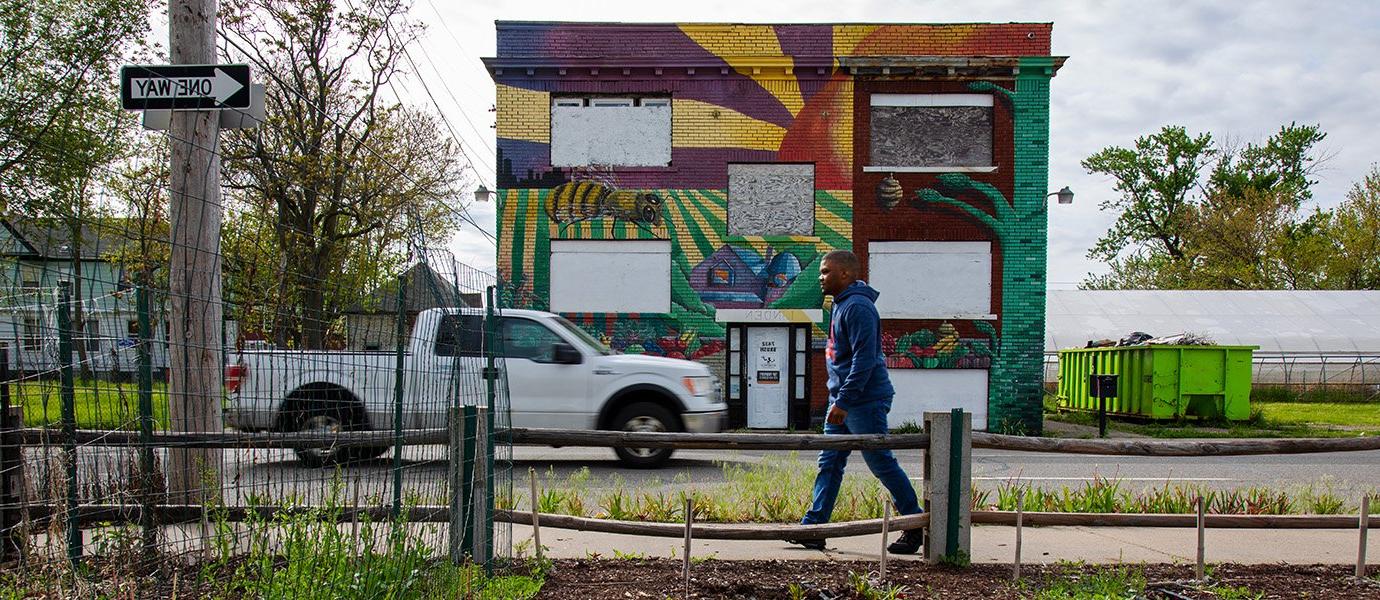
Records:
x=585, y=200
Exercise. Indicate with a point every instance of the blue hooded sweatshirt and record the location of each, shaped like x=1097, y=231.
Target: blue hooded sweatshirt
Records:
x=857, y=368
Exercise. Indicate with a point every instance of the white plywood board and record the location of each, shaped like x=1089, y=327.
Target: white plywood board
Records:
x=611, y=276
x=931, y=280
x=938, y=390
x=931, y=100
x=630, y=136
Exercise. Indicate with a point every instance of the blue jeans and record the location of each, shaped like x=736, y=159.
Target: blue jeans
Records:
x=869, y=418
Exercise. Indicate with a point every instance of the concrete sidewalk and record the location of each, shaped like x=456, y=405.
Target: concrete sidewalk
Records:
x=996, y=544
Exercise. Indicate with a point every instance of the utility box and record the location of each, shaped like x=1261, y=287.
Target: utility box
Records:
x=1161, y=382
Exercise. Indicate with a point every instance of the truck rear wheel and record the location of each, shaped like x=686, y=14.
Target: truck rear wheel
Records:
x=645, y=417
x=326, y=418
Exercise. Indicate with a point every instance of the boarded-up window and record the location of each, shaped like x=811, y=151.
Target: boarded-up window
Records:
x=932, y=280
x=620, y=132
x=771, y=199
x=611, y=276
x=931, y=130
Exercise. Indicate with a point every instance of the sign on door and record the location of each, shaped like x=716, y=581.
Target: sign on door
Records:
x=768, y=397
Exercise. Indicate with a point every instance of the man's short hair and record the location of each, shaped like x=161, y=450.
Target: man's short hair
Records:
x=845, y=259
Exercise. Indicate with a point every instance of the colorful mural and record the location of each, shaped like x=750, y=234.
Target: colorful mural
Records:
x=757, y=94
x=939, y=348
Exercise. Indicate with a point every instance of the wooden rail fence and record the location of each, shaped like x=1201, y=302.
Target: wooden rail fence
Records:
x=939, y=427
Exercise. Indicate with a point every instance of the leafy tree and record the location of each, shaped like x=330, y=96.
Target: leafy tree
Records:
x=1355, y=263
x=59, y=119
x=1155, y=180
x=331, y=189
x=1283, y=165
x=1244, y=226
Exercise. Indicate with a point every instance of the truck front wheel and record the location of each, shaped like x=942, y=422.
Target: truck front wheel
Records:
x=645, y=417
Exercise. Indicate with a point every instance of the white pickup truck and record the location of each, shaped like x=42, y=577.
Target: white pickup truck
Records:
x=557, y=376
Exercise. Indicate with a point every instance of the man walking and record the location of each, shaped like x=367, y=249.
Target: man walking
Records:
x=860, y=396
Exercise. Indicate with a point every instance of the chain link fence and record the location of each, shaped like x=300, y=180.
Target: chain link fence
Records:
x=363, y=419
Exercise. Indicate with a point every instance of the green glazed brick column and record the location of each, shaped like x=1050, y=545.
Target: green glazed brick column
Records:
x=1020, y=225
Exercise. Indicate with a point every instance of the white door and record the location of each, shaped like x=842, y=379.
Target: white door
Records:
x=768, y=376
x=542, y=392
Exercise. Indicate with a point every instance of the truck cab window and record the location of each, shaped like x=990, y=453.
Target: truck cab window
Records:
x=523, y=338
x=460, y=335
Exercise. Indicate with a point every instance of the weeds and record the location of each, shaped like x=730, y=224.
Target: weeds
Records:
x=862, y=586
x=1070, y=581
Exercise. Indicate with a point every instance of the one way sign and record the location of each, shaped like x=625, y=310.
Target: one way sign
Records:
x=184, y=87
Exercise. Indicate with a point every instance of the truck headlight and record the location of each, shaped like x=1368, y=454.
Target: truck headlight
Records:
x=702, y=385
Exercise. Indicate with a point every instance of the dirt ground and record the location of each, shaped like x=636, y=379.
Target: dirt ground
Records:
x=662, y=578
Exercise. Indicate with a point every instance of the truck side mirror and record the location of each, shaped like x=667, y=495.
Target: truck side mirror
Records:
x=565, y=354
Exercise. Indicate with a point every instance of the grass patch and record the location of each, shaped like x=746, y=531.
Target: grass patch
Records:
x=1349, y=394
x=777, y=490
x=1349, y=414
x=1262, y=424
x=99, y=404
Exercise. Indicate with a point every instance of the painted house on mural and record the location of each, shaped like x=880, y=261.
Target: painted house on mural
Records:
x=672, y=188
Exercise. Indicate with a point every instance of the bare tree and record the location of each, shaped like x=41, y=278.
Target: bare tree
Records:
x=345, y=177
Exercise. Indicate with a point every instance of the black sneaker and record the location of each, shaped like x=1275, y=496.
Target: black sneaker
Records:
x=910, y=542
x=808, y=544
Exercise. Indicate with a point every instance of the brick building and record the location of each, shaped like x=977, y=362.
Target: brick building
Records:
x=672, y=187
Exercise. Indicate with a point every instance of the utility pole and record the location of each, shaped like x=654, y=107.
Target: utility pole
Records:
x=194, y=282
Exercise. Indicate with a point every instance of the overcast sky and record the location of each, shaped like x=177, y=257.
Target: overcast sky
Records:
x=1236, y=69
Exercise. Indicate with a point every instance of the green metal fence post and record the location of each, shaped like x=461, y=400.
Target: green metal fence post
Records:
x=145, y=357
x=955, y=483
x=68, y=397
x=398, y=373
x=491, y=391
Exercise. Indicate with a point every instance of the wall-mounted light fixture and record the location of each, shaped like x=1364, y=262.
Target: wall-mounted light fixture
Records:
x=1065, y=195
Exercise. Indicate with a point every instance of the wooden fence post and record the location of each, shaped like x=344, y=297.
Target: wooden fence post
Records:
x=886, y=530
x=689, y=533
x=948, y=484
x=536, y=513
x=455, y=467
x=1198, y=568
x=482, y=519
x=1020, y=518
x=1363, y=524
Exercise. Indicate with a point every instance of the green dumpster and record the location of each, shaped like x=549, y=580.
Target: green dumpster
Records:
x=1161, y=382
